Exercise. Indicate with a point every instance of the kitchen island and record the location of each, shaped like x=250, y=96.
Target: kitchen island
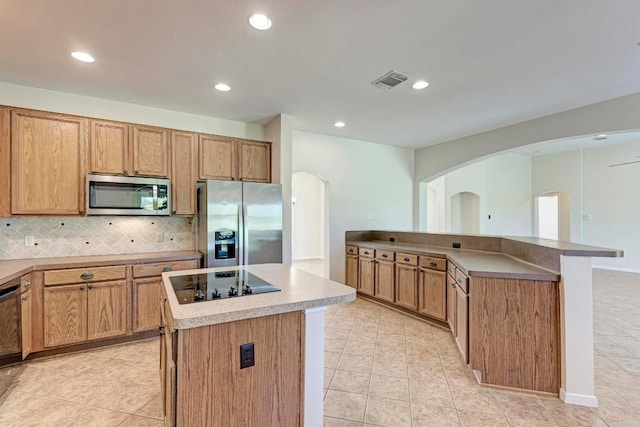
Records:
x=279, y=335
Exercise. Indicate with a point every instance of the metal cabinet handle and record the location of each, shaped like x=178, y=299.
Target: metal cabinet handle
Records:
x=433, y=264
x=82, y=288
x=406, y=259
x=366, y=252
x=161, y=330
x=90, y=286
x=86, y=276
x=124, y=171
x=167, y=268
x=136, y=172
x=459, y=280
x=384, y=255
x=27, y=283
x=453, y=285
x=26, y=297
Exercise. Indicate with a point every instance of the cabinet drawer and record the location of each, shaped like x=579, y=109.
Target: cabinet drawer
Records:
x=462, y=280
x=385, y=255
x=367, y=253
x=439, y=264
x=408, y=259
x=352, y=250
x=157, y=268
x=89, y=274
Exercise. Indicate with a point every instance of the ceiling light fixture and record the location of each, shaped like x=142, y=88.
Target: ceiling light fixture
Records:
x=222, y=87
x=601, y=137
x=339, y=124
x=420, y=84
x=82, y=56
x=260, y=22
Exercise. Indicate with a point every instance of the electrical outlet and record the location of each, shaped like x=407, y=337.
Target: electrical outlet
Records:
x=246, y=355
x=160, y=237
x=29, y=241
x=455, y=245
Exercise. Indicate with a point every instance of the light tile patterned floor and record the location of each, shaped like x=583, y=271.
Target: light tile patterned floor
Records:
x=381, y=368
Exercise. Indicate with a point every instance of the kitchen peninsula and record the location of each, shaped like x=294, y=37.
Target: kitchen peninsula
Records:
x=278, y=335
x=520, y=308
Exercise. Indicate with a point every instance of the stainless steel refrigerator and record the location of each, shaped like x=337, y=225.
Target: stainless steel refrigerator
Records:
x=239, y=223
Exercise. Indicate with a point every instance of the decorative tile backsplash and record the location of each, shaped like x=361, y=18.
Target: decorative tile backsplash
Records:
x=98, y=235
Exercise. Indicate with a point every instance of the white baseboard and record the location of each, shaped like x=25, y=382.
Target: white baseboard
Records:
x=312, y=258
x=578, y=399
x=608, y=267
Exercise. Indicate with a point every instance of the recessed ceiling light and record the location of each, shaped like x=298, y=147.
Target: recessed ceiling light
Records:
x=82, y=56
x=420, y=84
x=601, y=137
x=223, y=87
x=339, y=124
x=260, y=22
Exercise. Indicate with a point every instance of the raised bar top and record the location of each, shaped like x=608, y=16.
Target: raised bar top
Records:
x=299, y=290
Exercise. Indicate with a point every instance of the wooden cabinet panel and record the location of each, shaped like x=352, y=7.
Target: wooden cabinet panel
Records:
x=385, y=282
x=352, y=250
x=408, y=259
x=462, y=321
x=65, y=315
x=25, y=319
x=433, y=263
x=183, y=172
x=432, y=288
x=108, y=148
x=47, y=163
x=385, y=255
x=106, y=309
x=406, y=286
x=217, y=158
x=9, y=328
x=5, y=162
x=254, y=161
x=366, y=274
x=366, y=252
x=157, y=268
x=352, y=271
x=150, y=151
x=451, y=304
x=146, y=304
x=92, y=274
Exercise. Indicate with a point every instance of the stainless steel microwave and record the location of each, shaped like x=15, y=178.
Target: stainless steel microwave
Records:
x=123, y=195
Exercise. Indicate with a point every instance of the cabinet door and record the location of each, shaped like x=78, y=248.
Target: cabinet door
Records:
x=183, y=173
x=366, y=274
x=47, y=163
x=451, y=304
x=150, y=151
x=432, y=298
x=217, y=158
x=352, y=271
x=385, y=288
x=107, y=309
x=108, y=148
x=65, y=315
x=25, y=318
x=146, y=304
x=406, y=284
x=462, y=322
x=5, y=162
x=255, y=161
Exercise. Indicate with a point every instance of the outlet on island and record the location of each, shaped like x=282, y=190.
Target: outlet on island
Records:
x=246, y=355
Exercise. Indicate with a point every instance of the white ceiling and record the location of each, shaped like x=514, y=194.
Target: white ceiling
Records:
x=490, y=63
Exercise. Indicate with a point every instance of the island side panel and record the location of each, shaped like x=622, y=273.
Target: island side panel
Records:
x=515, y=333
x=213, y=390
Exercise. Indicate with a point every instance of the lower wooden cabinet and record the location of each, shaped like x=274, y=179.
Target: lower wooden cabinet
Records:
x=385, y=281
x=366, y=275
x=76, y=313
x=462, y=323
x=432, y=293
x=168, y=373
x=451, y=303
x=352, y=271
x=146, y=304
x=25, y=318
x=406, y=276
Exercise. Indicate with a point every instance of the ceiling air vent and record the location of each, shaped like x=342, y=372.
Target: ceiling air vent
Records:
x=390, y=80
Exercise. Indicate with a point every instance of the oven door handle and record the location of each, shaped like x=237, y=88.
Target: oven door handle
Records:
x=11, y=294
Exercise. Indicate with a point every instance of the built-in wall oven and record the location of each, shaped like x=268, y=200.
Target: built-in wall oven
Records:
x=124, y=195
x=10, y=325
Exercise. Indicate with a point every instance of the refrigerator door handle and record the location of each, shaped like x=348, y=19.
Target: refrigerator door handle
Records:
x=240, y=236
x=245, y=236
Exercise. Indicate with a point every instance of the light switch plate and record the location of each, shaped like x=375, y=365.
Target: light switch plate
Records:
x=29, y=241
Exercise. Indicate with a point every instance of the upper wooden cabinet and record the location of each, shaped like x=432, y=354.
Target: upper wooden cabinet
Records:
x=183, y=172
x=109, y=148
x=254, y=160
x=217, y=158
x=150, y=151
x=5, y=162
x=234, y=159
x=48, y=164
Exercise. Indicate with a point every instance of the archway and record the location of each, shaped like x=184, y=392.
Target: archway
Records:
x=310, y=223
x=465, y=213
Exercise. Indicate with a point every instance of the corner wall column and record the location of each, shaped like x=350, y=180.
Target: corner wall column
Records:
x=314, y=366
x=576, y=316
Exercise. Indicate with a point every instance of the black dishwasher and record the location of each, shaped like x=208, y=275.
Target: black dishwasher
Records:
x=10, y=331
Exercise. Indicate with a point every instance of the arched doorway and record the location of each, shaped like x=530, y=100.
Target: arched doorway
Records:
x=309, y=223
x=465, y=213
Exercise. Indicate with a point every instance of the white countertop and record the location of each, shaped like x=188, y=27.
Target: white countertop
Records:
x=299, y=291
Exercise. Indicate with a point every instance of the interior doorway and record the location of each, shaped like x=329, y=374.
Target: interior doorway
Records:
x=465, y=213
x=553, y=216
x=309, y=224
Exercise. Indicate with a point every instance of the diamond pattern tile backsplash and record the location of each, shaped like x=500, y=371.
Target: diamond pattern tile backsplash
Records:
x=98, y=235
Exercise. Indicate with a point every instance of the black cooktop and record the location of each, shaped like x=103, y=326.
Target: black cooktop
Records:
x=218, y=285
